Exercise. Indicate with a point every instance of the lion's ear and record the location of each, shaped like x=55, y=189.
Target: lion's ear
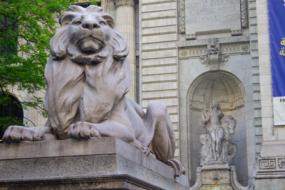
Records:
x=109, y=20
x=120, y=47
x=59, y=43
x=66, y=18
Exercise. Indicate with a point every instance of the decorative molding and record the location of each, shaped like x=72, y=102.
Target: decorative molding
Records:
x=271, y=163
x=281, y=163
x=244, y=14
x=214, y=56
x=182, y=22
x=181, y=16
x=192, y=52
x=229, y=49
x=239, y=48
x=236, y=32
x=119, y=3
x=267, y=164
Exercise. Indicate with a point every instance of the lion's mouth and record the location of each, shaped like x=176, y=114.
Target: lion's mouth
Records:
x=90, y=45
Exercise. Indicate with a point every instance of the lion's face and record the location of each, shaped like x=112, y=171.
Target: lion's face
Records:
x=89, y=32
x=84, y=33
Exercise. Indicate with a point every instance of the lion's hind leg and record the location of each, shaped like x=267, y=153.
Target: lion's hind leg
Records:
x=159, y=131
x=157, y=121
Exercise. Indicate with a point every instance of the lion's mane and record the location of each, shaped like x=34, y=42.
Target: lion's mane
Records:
x=85, y=86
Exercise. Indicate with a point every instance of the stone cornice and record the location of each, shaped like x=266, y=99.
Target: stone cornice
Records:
x=119, y=3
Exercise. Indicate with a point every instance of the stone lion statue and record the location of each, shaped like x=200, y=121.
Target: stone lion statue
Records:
x=88, y=77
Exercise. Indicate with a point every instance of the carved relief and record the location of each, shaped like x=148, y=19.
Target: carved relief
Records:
x=240, y=48
x=225, y=49
x=216, y=145
x=192, y=52
x=281, y=163
x=265, y=164
x=272, y=163
x=214, y=56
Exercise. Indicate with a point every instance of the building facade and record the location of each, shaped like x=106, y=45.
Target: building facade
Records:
x=193, y=53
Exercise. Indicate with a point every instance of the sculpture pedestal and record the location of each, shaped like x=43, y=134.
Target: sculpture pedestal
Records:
x=105, y=163
x=217, y=177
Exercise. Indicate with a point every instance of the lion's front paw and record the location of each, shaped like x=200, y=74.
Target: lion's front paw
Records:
x=16, y=133
x=83, y=130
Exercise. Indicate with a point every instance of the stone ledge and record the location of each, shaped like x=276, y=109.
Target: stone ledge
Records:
x=103, y=163
x=272, y=149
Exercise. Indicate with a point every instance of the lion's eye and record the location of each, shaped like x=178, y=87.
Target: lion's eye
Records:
x=102, y=22
x=76, y=22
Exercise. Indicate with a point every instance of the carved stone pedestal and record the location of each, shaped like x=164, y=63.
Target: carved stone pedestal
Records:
x=104, y=163
x=217, y=177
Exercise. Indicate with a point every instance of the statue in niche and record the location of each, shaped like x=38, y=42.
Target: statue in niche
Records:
x=216, y=145
x=88, y=77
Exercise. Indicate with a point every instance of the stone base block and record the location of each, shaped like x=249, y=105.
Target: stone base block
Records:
x=105, y=163
x=270, y=183
x=220, y=176
x=270, y=172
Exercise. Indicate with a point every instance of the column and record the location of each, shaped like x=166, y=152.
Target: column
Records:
x=125, y=24
x=109, y=7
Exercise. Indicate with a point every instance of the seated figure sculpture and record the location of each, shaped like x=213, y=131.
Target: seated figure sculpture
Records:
x=88, y=77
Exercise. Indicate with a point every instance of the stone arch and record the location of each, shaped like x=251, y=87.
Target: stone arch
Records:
x=226, y=89
x=11, y=111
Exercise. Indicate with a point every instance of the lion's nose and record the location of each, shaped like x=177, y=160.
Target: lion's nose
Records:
x=90, y=25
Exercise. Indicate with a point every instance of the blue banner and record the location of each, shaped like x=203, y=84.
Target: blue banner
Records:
x=277, y=50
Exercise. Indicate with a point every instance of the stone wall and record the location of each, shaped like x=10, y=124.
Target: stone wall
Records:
x=158, y=19
x=270, y=165
x=222, y=43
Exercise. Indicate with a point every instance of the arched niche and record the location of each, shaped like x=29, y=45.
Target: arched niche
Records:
x=227, y=90
x=11, y=111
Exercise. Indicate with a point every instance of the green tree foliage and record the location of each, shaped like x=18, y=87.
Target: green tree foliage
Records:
x=26, y=27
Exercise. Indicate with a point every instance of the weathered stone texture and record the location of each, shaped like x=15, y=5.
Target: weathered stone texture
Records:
x=104, y=163
x=211, y=16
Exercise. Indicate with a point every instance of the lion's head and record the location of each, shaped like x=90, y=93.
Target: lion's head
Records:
x=87, y=74
x=84, y=34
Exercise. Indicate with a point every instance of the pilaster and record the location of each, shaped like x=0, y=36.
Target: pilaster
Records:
x=124, y=3
x=125, y=23
x=271, y=162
